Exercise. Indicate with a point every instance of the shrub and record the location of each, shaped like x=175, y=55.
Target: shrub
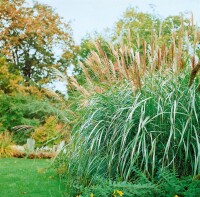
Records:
x=52, y=132
x=20, y=110
x=165, y=184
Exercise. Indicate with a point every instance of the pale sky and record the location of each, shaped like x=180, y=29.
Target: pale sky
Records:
x=88, y=16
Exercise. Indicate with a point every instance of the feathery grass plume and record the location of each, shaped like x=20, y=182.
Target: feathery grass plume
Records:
x=127, y=64
x=193, y=74
x=80, y=88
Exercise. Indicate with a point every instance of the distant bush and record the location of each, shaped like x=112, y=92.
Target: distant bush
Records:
x=52, y=132
x=26, y=110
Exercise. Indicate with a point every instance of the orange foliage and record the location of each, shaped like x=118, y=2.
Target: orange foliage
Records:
x=51, y=132
x=28, y=35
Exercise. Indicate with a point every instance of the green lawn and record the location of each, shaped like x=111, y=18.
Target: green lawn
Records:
x=25, y=177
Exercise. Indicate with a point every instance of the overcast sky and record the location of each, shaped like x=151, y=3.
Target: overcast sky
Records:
x=95, y=15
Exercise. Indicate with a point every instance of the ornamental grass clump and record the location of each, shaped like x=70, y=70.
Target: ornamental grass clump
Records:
x=140, y=114
x=154, y=129
x=6, y=143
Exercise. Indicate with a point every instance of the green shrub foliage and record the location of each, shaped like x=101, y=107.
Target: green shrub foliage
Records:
x=20, y=110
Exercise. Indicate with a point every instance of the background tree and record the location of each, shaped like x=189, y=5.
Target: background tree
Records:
x=134, y=24
x=30, y=37
x=135, y=27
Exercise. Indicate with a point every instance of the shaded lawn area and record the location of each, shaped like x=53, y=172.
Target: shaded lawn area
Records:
x=31, y=178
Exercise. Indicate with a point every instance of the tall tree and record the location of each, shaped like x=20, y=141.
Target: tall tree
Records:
x=136, y=26
x=30, y=35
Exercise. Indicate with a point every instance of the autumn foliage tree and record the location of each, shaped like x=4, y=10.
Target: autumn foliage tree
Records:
x=30, y=35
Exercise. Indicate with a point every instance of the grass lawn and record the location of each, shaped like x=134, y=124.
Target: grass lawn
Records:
x=25, y=177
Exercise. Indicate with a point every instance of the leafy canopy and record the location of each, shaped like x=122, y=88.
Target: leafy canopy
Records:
x=30, y=37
